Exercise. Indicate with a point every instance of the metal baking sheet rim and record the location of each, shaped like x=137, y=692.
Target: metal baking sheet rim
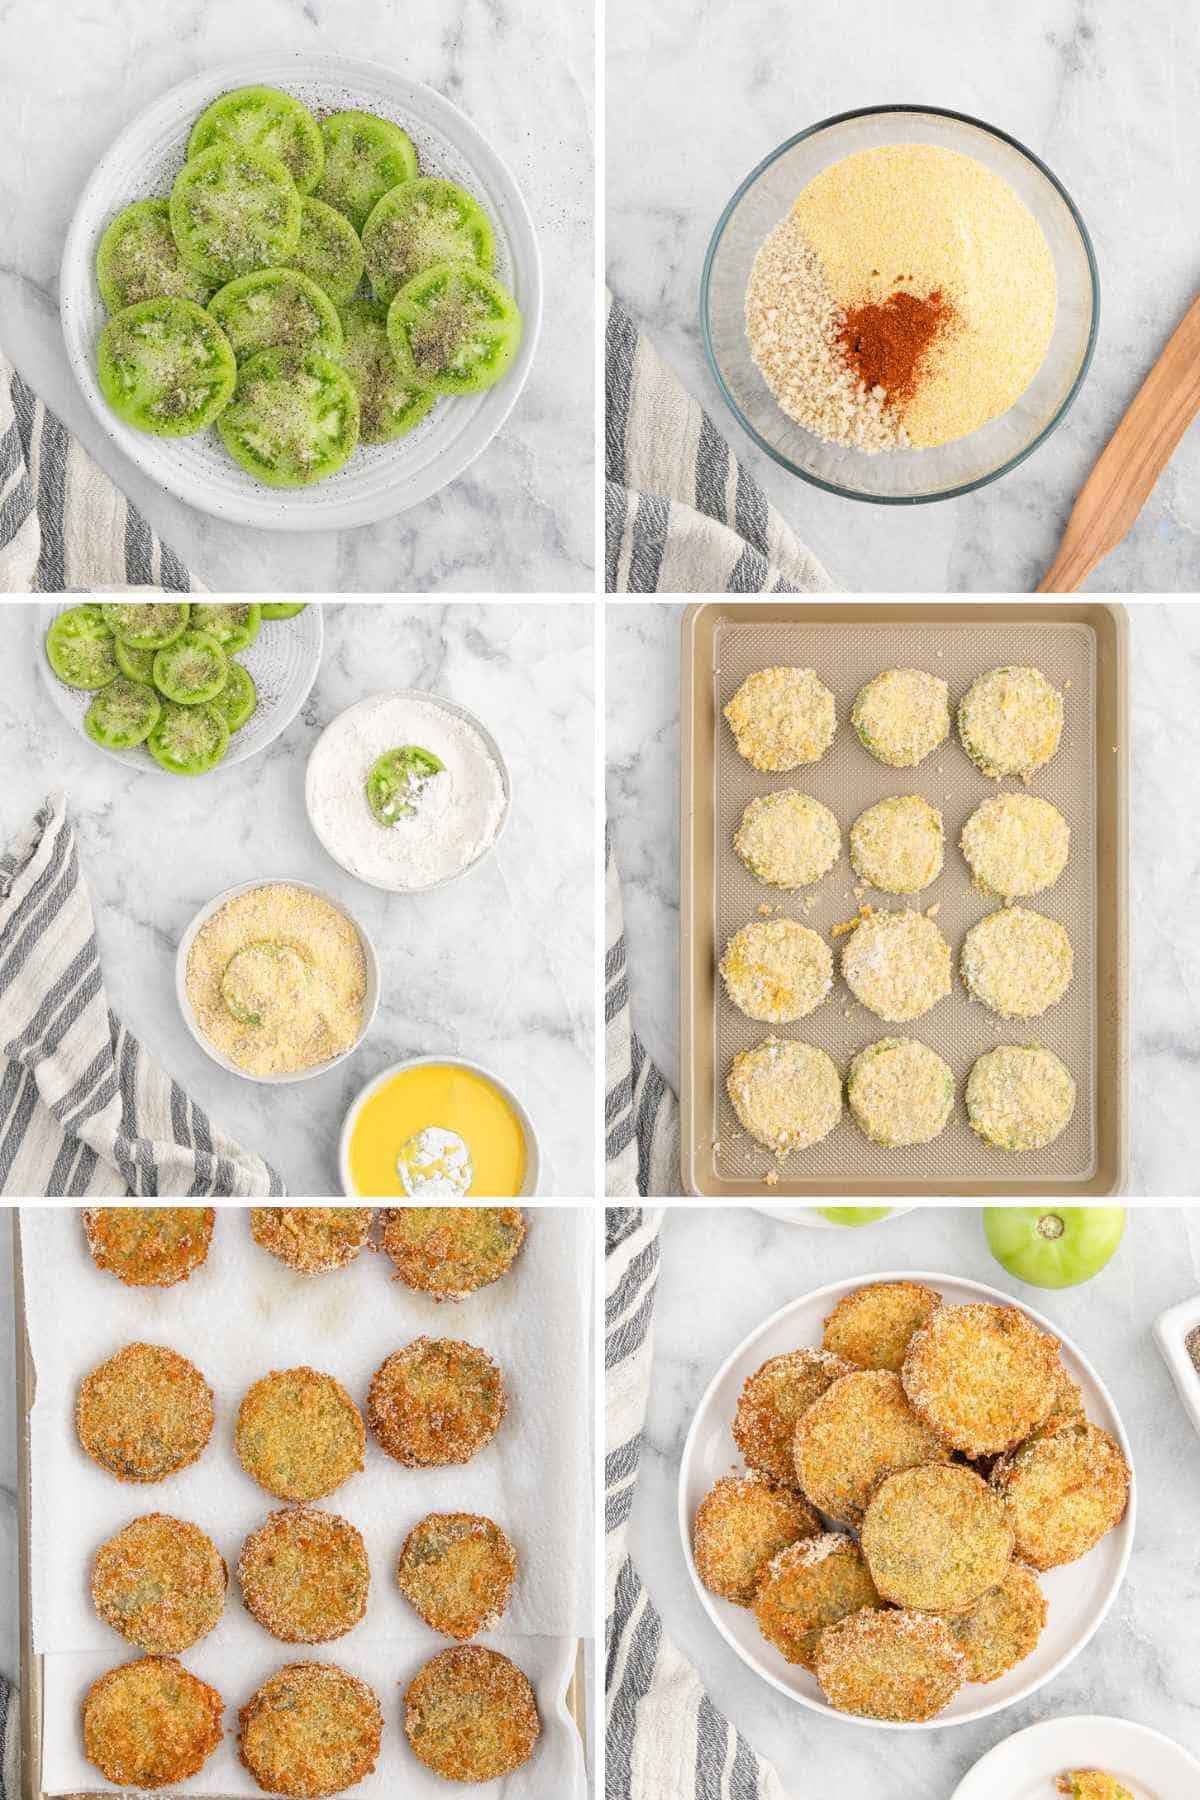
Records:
x=1110, y=620
x=31, y=1663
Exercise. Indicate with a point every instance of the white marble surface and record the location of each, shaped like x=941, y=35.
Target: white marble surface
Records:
x=642, y=735
x=1108, y=96
x=496, y=967
x=521, y=519
x=725, y=1270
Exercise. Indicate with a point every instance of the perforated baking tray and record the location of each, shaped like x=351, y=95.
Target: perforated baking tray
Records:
x=1081, y=648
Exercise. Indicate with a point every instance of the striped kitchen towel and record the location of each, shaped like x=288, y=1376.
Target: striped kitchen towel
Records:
x=10, y=1740
x=83, y=1109
x=682, y=516
x=64, y=527
x=641, y=1114
x=665, y=1739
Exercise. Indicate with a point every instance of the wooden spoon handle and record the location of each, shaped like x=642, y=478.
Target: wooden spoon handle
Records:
x=1133, y=459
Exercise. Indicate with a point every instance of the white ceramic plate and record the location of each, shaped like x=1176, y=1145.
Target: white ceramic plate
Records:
x=282, y=661
x=379, y=480
x=1024, y=1767
x=1079, y=1595
x=808, y=1215
x=533, y=1154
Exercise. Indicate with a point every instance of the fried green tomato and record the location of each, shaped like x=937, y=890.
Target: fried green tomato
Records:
x=1068, y=1408
x=904, y=1666
x=1010, y=721
x=310, y=1730
x=311, y=1239
x=861, y=1430
x=776, y=970
x=299, y=1434
x=982, y=1376
x=781, y=718
x=451, y=1251
x=807, y=1587
x=151, y=1723
x=873, y=1326
x=161, y=1583
x=772, y=1401
x=148, y=1246
x=936, y=1539
x=144, y=1414
x=470, y=1715
x=1063, y=1493
x=900, y=1092
x=741, y=1524
x=304, y=1575
x=457, y=1571
x=901, y=716
x=1004, y=1628
x=435, y=1402
x=1092, y=1784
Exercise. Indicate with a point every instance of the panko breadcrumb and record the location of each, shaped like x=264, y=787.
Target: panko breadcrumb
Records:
x=904, y=1666
x=807, y=1587
x=901, y=716
x=457, y=1571
x=777, y=970
x=1064, y=1492
x=1016, y=962
x=897, y=964
x=782, y=718
x=898, y=845
x=982, y=1376
x=304, y=1575
x=151, y=1723
x=161, y=1583
x=449, y=1252
x=470, y=1715
x=771, y=1402
x=1005, y=1626
x=1010, y=721
x=936, y=1539
x=861, y=1430
x=299, y=1434
x=1020, y=1097
x=873, y=1326
x=786, y=1094
x=311, y=1239
x=148, y=1246
x=437, y=1401
x=788, y=839
x=900, y=1092
x=1015, y=845
x=310, y=1730
x=144, y=1414
x=1092, y=1784
x=741, y=1523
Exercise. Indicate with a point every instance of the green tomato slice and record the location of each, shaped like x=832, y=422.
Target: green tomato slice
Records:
x=238, y=699
x=79, y=648
x=455, y=329
x=282, y=609
x=419, y=224
x=329, y=251
x=123, y=714
x=234, y=623
x=365, y=158
x=138, y=259
x=192, y=670
x=234, y=211
x=293, y=420
x=276, y=308
x=266, y=120
x=262, y=978
x=146, y=624
x=396, y=780
x=390, y=404
x=188, y=740
x=1053, y=1246
x=166, y=367
x=137, y=664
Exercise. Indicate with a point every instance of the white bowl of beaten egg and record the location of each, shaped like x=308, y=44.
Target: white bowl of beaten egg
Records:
x=300, y=971
x=436, y=1114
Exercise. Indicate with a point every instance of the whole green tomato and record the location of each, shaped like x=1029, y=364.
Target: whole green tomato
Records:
x=853, y=1215
x=1053, y=1246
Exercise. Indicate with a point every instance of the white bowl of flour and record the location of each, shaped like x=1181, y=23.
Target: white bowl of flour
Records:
x=462, y=809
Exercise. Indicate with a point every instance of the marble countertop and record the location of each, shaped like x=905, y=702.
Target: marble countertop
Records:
x=642, y=734
x=521, y=518
x=725, y=1270
x=497, y=967
x=1108, y=97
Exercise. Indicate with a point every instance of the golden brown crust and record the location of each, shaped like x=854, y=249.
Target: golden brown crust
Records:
x=861, y=1430
x=1004, y=1628
x=151, y=1723
x=807, y=1587
x=873, y=1326
x=982, y=1376
x=311, y=1239
x=470, y=1715
x=904, y=1666
x=1064, y=1492
x=771, y=1403
x=437, y=1401
x=144, y=1414
x=148, y=1246
x=160, y=1582
x=457, y=1570
x=451, y=1251
x=936, y=1539
x=299, y=1434
x=741, y=1523
x=304, y=1575
x=310, y=1730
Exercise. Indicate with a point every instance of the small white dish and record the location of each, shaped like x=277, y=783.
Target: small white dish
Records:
x=1025, y=1766
x=808, y=1215
x=533, y=1154
x=1079, y=1595
x=379, y=480
x=282, y=662
x=1170, y=1334
x=370, y=999
x=322, y=748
